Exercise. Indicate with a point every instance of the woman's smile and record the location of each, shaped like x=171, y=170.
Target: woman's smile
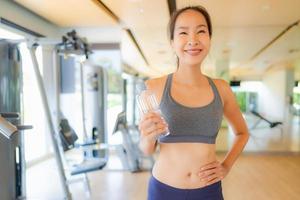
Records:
x=193, y=51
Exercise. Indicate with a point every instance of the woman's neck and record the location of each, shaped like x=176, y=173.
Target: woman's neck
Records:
x=189, y=75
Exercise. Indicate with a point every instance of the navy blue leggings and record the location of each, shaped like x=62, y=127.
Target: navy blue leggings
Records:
x=161, y=191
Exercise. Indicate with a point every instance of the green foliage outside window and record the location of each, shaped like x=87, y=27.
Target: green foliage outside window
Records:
x=114, y=81
x=296, y=98
x=241, y=99
x=114, y=88
x=247, y=101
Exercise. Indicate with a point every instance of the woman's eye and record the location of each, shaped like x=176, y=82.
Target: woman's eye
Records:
x=182, y=33
x=202, y=31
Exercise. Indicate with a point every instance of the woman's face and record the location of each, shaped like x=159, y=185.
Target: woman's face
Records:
x=191, y=40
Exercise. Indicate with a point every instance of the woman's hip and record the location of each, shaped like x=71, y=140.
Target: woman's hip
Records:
x=158, y=190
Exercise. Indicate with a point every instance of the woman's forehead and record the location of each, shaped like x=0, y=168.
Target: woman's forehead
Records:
x=190, y=18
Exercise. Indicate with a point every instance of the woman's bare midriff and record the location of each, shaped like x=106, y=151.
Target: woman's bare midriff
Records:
x=178, y=164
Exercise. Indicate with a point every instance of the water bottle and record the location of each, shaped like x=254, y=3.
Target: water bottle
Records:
x=147, y=102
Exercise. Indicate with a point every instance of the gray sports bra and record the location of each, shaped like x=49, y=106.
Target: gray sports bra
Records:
x=186, y=124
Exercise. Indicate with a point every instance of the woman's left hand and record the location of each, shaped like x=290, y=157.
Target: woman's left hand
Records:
x=213, y=172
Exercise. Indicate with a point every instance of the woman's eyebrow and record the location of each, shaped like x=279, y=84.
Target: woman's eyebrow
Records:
x=201, y=25
x=185, y=27
x=182, y=27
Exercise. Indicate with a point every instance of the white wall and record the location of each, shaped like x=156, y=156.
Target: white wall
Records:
x=273, y=91
x=271, y=100
x=273, y=95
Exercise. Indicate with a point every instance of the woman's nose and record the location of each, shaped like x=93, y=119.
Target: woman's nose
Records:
x=193, y=41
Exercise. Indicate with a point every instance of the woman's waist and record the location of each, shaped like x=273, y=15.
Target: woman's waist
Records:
x=181, y=171
x=174, y=152
x=183, y=164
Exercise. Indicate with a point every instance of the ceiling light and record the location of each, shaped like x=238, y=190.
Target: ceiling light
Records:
x=134, y=1
x=266, y=7
x=161, y=52
x=294, y=50
x=5, y=34
x=226, y=51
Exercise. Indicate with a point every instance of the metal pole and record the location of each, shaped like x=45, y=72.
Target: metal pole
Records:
x=53, y=134
x=134, y=100
x=82, y=93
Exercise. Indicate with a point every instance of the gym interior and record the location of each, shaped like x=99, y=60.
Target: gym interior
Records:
x=69, y=77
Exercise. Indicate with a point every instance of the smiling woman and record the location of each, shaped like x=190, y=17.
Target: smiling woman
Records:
x=182, y=31
x=192, y=106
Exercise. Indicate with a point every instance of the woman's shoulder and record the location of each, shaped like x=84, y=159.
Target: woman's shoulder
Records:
x=155, y=83
x=221, y=84
x=223, y=87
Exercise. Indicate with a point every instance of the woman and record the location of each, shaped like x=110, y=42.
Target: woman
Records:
x=192, y=106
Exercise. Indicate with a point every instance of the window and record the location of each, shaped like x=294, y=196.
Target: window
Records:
x=32, y=110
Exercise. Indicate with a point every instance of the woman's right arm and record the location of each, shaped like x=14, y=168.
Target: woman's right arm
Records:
x=151, y=126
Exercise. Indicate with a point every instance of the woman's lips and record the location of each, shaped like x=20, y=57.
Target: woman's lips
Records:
x=193, y=52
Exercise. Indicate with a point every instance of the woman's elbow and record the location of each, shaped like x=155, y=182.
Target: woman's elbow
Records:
x=245, y=135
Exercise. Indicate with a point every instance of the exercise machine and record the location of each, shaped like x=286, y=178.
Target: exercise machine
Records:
x=131, y=156
x=261, y=118
x=12, y=159
x=272, y=124
x=13, y=169
x=62, y=135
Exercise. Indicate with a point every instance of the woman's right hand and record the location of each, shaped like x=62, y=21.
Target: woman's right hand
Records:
x=151, y=126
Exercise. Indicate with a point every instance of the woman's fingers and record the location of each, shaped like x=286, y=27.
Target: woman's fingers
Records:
x=206, y=173
x=214, y=180
x=210, y=177
x=152, y=124
x=152, y=121
x=158, y=131
x=213, y=172
x=209, y=166
x=150, y=115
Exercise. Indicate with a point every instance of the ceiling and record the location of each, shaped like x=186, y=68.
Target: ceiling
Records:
x=240, y=30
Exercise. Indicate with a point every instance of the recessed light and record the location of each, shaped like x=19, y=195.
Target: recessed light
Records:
x=134, y=1
x=294, y=50
x=226, y=51
x=266, y=7
x=161, y=52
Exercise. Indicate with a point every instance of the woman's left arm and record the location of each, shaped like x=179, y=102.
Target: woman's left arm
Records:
x=235, y=118
x=216, y=171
